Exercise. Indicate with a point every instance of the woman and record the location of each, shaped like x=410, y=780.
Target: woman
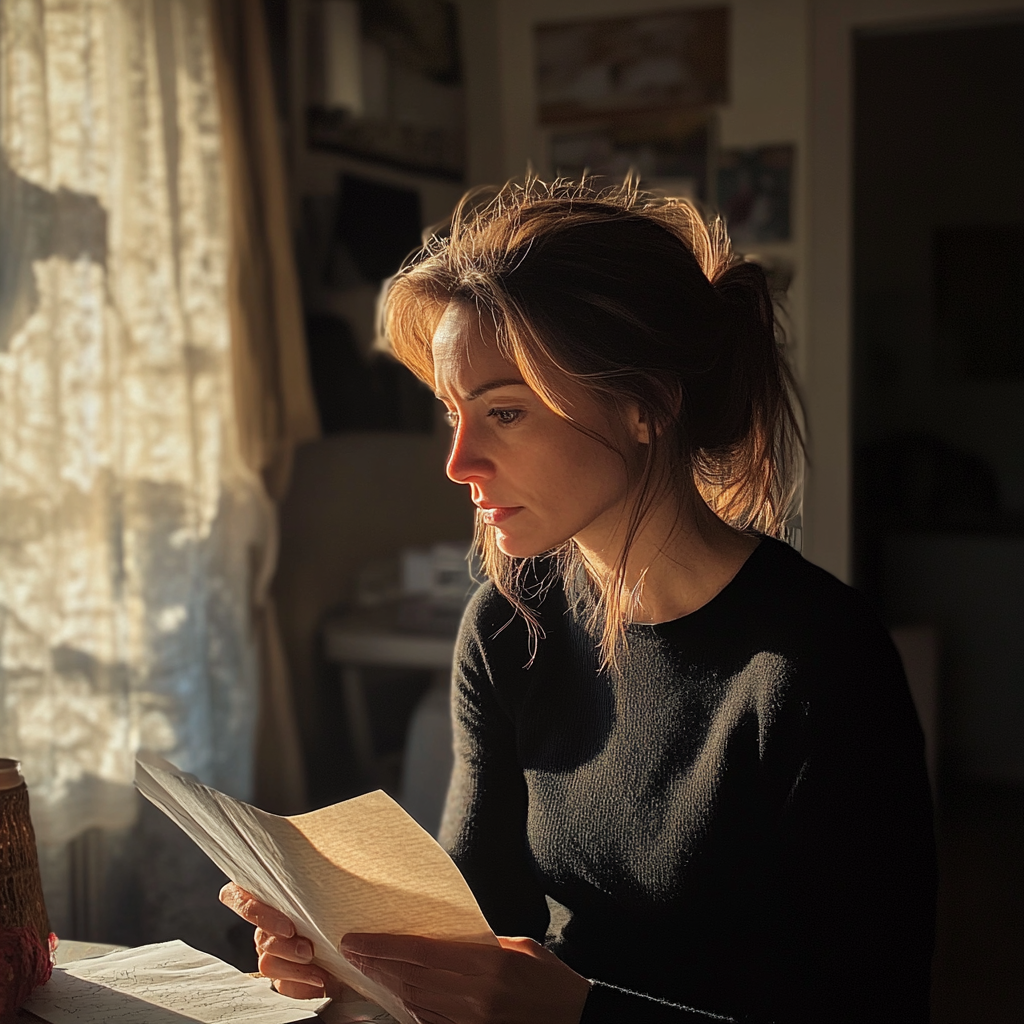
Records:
x=698, y=747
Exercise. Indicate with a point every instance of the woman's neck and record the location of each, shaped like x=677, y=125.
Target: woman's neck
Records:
x=679, y=559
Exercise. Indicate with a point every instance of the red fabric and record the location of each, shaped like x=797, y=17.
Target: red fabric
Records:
x=24, y=964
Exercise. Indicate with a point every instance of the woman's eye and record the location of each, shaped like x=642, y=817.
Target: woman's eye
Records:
x=506, y=417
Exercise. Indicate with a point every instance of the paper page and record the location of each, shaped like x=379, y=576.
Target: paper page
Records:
x=223, y=828
x=362, y=865
x=165, y=983
x=375, y=870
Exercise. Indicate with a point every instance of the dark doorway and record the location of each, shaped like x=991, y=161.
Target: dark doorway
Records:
x=939, y=451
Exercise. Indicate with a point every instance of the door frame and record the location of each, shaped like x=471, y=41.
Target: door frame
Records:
x=827, y=538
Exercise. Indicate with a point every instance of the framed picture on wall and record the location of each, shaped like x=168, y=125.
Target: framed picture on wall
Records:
x=670, y=150
x=754, y=193
x=655, y=61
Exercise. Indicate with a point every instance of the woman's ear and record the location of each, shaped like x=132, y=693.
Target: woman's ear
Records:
x=637, y=424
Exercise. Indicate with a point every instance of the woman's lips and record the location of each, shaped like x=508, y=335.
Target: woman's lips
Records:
x=498, y=514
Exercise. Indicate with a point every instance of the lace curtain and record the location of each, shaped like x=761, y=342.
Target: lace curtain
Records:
x=130, y=528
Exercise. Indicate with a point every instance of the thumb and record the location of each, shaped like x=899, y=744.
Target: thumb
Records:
x=521, y=944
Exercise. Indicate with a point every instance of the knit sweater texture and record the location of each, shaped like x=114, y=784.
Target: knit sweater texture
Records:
x=737, y=826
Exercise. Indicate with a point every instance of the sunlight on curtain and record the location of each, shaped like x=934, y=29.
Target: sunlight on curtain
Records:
x=127, y=519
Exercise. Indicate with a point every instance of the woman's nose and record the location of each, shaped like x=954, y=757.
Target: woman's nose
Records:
x=467, y=462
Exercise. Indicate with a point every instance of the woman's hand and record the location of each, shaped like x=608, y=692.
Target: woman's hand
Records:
x=284, y=957
x=443, y=982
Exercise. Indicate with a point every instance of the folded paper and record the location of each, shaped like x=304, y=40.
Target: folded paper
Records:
x=362, y=865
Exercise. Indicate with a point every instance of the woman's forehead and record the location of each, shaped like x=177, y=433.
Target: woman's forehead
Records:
x=466, y=352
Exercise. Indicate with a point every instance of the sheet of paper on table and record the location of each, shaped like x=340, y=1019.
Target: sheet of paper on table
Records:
x=165, y=983
x=362, y=865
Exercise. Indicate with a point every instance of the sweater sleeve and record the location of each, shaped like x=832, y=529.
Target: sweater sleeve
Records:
x=609, y=1004
x=484, y=824
x=852, y=878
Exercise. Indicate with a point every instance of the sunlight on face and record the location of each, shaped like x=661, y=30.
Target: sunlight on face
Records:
x=537, y=479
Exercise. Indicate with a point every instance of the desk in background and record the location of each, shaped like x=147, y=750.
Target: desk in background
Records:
x=355, y=641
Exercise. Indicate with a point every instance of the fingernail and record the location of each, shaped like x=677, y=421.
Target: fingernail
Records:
x=304, y=950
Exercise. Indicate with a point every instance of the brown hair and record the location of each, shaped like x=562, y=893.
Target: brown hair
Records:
x=640, y=301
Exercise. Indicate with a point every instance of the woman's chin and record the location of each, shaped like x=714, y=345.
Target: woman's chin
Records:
x=519, y=547
x=514, y=548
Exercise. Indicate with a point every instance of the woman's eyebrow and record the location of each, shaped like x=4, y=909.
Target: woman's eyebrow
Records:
x=501, y=382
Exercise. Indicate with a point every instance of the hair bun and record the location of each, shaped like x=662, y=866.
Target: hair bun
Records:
x=744, y=286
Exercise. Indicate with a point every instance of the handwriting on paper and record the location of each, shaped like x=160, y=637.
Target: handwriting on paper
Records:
x=165, y=983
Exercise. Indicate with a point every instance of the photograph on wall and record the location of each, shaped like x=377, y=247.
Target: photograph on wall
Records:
x=384, y=83
x=655, y=61
x=754, y=193
x=667, y=151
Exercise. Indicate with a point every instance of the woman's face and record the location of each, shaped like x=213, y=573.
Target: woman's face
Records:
x=537, y=479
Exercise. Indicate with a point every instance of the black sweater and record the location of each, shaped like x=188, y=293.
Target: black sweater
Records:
x=739, y=825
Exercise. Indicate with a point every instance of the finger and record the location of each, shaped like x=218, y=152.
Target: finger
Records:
x=296, y=990
x=421, y=989
x=296, y=949
x=288, y=971
x=522, y=980
x=450, y=1006
x=521, y=944
x=250, y=909
x=437, y=954
x=229, y=892
x=402, y=975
